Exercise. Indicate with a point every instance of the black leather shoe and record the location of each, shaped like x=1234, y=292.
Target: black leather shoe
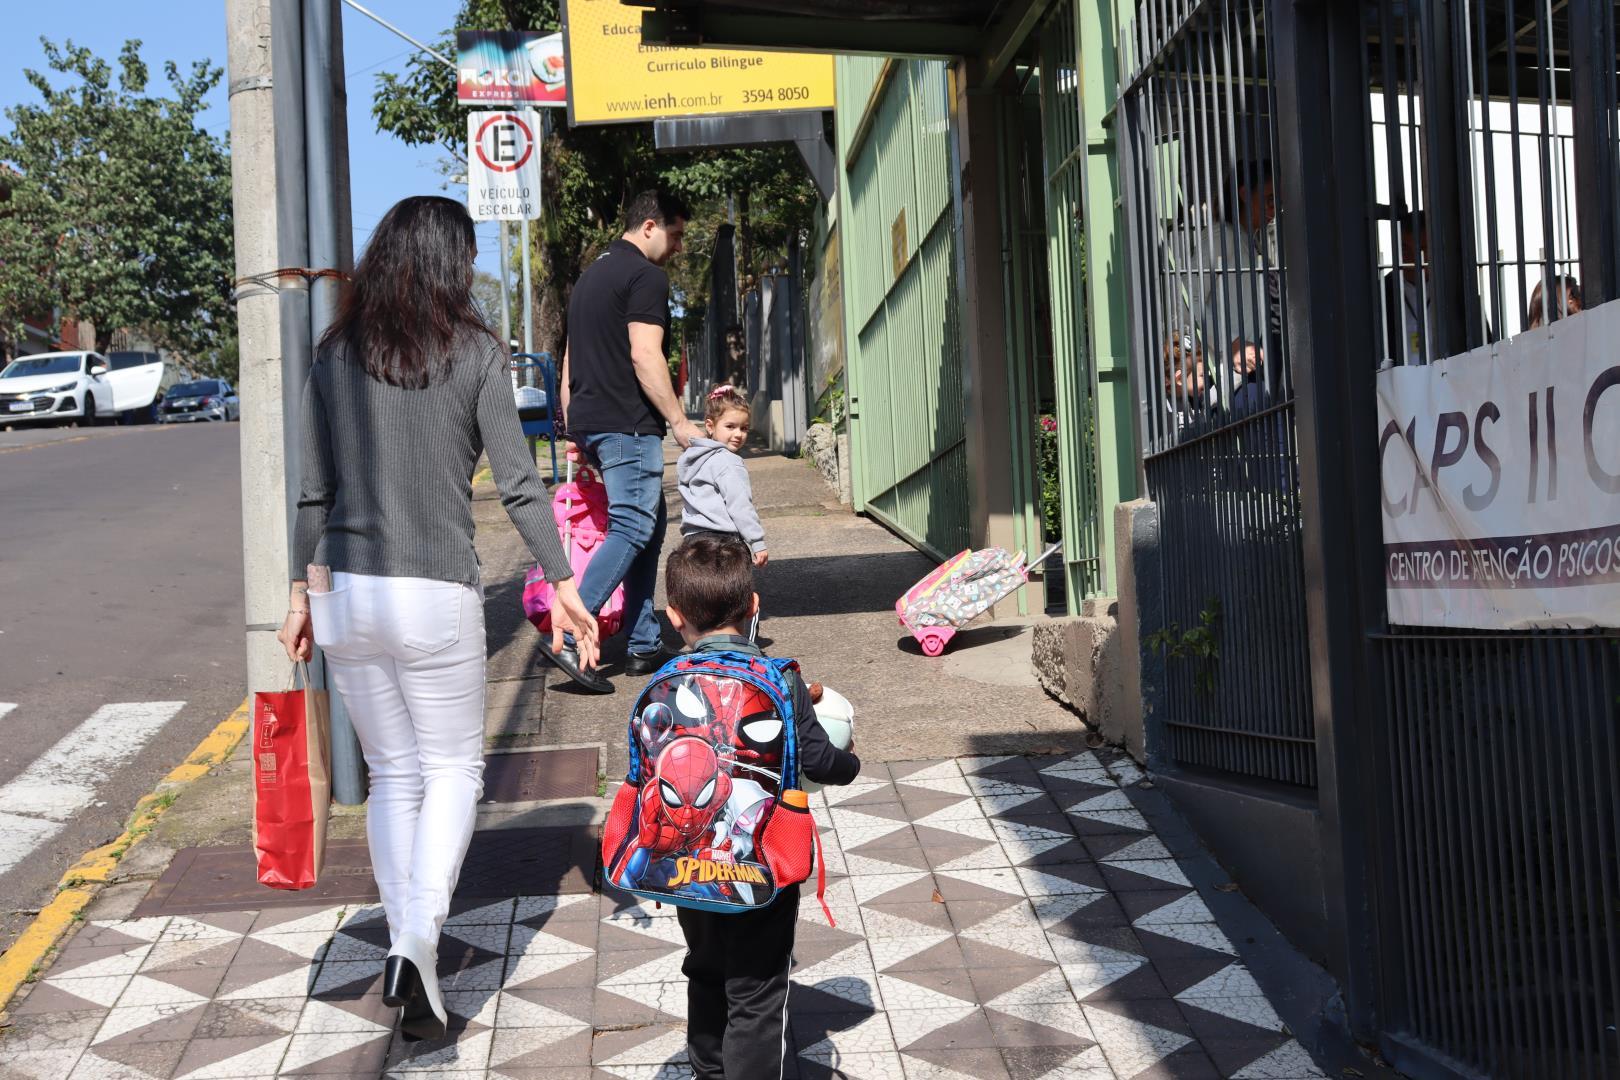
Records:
x=637, y=664
x=568, y=660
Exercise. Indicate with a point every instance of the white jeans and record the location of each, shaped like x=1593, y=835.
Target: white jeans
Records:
x=407, y=656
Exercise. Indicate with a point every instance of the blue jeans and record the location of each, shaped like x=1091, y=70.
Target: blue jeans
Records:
x=632, y=470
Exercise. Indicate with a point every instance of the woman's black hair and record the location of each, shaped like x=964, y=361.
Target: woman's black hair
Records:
x=411, y=293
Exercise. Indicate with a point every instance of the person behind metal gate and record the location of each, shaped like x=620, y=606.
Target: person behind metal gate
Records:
x=408, y=389
x=1566, y=301
x=1409, y=296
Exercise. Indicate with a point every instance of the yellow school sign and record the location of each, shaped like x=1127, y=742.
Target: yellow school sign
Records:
x=614, y=79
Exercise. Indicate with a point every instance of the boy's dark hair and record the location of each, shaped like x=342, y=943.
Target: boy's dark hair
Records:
x=710, y=581
x=655, y=205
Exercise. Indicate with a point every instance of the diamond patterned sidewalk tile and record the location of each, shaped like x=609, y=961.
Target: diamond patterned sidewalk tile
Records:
x=944, y=988
x=833, y=1065
x=1288, y=1062
x=823, y=1035
x=1035, y=803
x=957, y=1063
x=931, y=769
x=40, y=1064
x=1131, y=1046
x=128, y=1025
x=468, y=1053
x=1140, y=874
x=226, y=1059
x=52, y=1032
x=886, y=920
x=940, y=1028
x=1048, y=1023
x=998, y=918
x=140, y=1062
x=351, y=1053
x=1234, y=996
x=953, y=825
x=863, y=788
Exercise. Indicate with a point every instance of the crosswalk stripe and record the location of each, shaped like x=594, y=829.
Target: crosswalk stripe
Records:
x=63, y=781
x=6, y=707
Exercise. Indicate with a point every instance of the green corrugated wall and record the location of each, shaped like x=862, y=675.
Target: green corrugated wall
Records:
x=904, y=329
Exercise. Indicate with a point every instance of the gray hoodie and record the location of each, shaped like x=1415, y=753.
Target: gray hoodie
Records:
x=717, y=494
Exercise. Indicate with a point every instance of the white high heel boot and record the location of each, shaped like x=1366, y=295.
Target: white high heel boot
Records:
x=411, y=983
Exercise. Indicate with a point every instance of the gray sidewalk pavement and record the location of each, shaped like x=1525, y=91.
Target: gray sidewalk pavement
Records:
x=997, y=917
x=1004, y=907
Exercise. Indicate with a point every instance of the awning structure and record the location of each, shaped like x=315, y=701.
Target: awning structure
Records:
x=990, y=30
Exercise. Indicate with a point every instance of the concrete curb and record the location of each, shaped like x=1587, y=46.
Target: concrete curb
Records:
x=29, y=955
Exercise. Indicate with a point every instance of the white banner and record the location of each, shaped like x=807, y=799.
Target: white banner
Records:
x=503, y=165
x=1501, y=481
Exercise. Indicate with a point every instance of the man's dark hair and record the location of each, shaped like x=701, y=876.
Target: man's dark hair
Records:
x=655, y=205
x=710, y=581
x=1247, y=174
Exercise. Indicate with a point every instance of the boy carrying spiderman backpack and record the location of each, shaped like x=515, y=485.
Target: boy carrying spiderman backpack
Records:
x=711, y=818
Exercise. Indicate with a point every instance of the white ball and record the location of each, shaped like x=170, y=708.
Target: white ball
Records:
x=837, y=718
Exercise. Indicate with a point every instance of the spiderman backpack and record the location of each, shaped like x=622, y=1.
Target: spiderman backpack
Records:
x=711, y=815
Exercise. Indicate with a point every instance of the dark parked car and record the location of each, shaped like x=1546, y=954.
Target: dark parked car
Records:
x=204, y=399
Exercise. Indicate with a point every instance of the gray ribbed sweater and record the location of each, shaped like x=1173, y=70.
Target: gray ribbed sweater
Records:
x=387, y=483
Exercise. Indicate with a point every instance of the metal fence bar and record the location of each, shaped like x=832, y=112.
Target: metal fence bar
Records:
x=1504, y=857
x=1215, y=391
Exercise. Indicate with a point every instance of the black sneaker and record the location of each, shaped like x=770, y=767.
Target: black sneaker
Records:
x=568, y=660
x=638, y=664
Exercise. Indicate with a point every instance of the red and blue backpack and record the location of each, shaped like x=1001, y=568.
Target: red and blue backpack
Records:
x=711, y=815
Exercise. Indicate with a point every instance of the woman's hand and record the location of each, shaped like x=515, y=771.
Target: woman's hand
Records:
x=296, y=635
x=569, y=615
x=761, y=557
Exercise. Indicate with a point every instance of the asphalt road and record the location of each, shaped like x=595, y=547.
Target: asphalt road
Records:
x=120, y=631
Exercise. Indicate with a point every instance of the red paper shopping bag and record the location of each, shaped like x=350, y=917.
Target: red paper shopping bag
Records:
x=292, y=784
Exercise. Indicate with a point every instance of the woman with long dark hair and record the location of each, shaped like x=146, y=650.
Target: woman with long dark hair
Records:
x=408, y=389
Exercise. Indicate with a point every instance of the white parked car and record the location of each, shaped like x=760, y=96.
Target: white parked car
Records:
x=78, y=387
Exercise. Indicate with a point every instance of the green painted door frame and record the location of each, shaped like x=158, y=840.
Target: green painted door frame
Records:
x=1117, y=461
x=1084, y=559
x=1022, y=332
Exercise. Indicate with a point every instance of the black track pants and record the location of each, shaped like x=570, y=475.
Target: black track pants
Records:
x=737, y=989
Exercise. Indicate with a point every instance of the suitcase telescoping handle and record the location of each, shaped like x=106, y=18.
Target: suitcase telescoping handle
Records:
x=1047, y=554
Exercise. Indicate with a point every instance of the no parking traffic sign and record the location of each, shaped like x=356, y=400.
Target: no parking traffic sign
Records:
x=503, y=165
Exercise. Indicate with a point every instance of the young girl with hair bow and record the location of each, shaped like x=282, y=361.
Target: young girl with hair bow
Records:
x=714, y=480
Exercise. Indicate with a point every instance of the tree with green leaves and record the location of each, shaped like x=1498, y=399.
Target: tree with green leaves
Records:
x=120, y=205
x=589, y=173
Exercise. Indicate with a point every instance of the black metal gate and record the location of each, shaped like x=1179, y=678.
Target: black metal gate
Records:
x=1490, y=146
x=1447, y=175
x=1215, y=386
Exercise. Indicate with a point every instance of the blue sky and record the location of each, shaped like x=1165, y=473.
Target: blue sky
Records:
x=383, y=169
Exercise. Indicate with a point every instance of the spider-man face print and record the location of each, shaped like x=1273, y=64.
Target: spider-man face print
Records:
x=759, y=737
x=711, y=708
x=690, y=785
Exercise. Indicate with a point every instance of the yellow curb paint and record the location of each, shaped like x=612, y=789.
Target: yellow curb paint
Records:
x=29, y=953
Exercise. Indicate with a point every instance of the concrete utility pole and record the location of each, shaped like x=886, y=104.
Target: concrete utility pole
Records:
x=290, y=185
x=258, y=314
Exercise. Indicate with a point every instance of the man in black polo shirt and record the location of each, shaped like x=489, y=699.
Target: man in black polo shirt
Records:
x=616, y=399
